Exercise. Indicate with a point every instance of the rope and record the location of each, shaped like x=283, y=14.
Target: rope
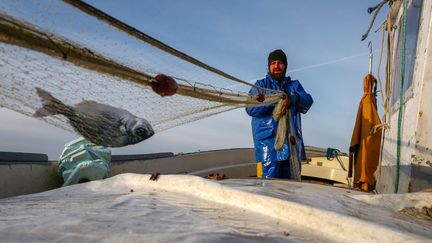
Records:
x=379, y=63
x=335, y=153
x=23, y=34
x=388, y=72
x=279, y=114
x=401, y=95
x=385, y=102
x=375, y=128
x=388, y=85
x=383, y=124
x=370, y=10
x=150, y=40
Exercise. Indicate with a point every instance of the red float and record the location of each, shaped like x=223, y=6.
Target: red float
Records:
x=164, y=85
x=260, y=97
x=286, y=103
x=293, y=140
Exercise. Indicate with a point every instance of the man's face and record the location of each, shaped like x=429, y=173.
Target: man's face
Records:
x=277, y=70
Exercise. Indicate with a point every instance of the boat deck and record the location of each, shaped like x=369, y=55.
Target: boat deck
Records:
x=131, y=207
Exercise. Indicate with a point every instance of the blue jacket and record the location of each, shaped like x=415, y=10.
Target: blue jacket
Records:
x=264, y=127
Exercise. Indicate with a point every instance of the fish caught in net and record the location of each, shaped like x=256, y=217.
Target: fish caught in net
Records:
x=109, y=126
x=78, y=53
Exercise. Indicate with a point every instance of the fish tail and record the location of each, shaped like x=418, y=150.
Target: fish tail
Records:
x=50, y=105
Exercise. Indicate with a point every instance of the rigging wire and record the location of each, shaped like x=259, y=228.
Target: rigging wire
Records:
x=327, y=62
x=87, y=8
x=375, y=9
x=307, y=67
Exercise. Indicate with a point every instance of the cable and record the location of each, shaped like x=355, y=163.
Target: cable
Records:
x=87, y=8
x=370, y=10
x=401, y=95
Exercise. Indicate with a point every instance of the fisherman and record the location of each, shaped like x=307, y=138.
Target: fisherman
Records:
x=272, y=163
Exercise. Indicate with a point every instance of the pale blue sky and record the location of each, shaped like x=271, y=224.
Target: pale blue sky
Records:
x=236, y=37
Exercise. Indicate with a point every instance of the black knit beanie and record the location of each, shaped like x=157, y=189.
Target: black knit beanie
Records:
x=277, y=55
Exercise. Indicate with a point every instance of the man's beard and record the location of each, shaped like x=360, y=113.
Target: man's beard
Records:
x=278, y=76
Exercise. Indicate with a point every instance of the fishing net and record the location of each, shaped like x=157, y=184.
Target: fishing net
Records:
x=76, y=52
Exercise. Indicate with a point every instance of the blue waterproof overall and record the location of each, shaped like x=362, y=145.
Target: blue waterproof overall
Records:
x=274, y=163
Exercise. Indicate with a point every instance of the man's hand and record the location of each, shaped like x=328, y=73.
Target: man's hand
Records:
x=291, y=100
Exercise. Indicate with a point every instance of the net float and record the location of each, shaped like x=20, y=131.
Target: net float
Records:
x=164, y=85
x=260, y=97
x=293, y=140
x=286, y=103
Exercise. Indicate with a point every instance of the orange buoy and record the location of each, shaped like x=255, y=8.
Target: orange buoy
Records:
x=164, y=85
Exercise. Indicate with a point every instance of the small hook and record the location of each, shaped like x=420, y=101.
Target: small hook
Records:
x=370, y=47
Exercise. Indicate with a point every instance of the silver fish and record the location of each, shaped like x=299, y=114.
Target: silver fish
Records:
x=100, y=123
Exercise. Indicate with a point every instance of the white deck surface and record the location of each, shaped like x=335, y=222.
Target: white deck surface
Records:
x=131, y=208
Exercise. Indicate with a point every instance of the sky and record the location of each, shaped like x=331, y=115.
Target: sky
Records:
x=322, y=40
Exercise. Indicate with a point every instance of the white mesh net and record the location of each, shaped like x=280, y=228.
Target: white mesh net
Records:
x=78, y=53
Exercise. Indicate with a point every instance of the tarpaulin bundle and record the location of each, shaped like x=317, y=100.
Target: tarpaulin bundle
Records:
x=365, y=141
x=83, y=161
